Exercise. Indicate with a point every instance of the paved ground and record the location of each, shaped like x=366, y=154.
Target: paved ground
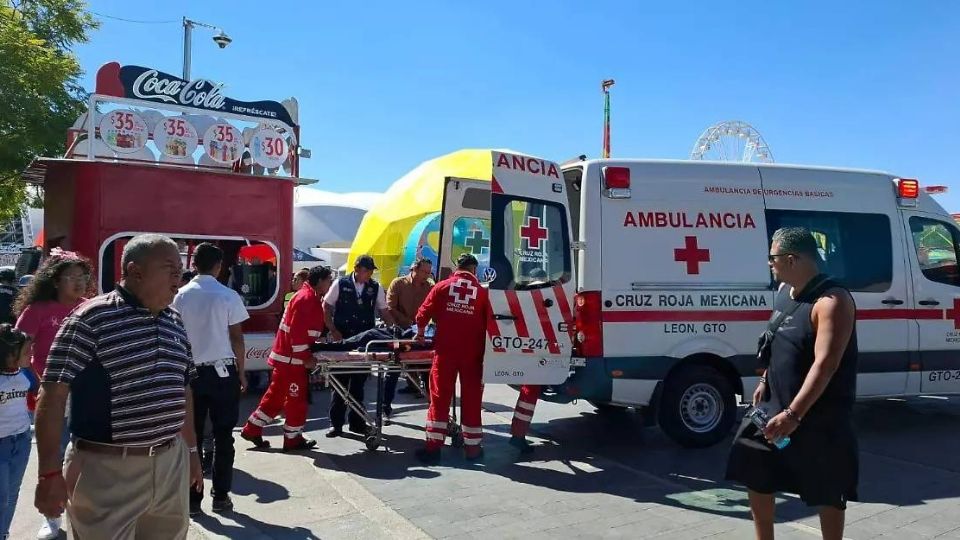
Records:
x=593, y=476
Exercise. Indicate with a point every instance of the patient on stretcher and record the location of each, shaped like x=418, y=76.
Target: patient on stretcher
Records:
x=359, y=341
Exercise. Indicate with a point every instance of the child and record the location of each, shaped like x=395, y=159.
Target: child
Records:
x=16, y=381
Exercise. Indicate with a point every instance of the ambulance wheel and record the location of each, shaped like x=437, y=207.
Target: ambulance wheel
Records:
x=698, y=406
x=372, y=442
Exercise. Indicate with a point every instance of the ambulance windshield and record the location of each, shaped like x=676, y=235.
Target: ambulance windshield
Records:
x=532, y=250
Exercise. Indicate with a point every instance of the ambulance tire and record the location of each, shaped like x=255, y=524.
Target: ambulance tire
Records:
x=698, y=406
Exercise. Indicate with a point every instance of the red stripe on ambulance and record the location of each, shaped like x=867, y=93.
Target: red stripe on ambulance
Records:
x=519, y=321
x=545, y=323
x=565, y=312
x=760, y=315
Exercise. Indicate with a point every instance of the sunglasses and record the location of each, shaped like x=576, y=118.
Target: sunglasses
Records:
x=772, y=258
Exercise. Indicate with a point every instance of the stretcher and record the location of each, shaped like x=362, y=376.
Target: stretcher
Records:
x=399, y=359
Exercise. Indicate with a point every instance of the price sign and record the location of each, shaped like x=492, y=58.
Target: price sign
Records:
x=223, y=143
x=268, y=148
x=176, y=137
x=123, y=131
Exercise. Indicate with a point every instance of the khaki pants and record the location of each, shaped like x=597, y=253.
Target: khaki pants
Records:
x=128, y=498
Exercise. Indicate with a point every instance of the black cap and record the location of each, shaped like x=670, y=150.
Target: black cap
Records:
x=366, y=261
x=466, y=259
x=8, y=274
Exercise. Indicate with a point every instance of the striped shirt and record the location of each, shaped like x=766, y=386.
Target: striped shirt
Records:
x=127, y=369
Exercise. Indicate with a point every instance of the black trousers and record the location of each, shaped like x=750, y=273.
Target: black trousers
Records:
x=218, y=397
x=338, y=407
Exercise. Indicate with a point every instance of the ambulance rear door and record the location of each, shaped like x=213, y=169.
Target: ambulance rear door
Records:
x=464, y=225
x=530, y=278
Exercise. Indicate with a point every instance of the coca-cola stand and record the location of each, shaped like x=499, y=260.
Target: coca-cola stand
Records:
x=99, y=195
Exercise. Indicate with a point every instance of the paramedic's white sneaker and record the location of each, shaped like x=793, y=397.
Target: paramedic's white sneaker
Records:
x=50, y=529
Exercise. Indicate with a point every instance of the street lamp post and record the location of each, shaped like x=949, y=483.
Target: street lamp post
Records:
x=221, y=39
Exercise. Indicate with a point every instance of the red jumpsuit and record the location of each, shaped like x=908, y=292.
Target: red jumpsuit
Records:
x=523, y=413
x=460, y=308
x=302, y=325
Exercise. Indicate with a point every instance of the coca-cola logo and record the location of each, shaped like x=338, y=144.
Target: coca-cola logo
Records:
x=198, y=93
x=151, y=85
x=257, y=353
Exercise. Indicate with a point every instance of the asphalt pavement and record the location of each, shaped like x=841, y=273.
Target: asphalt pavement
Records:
x=593, y=475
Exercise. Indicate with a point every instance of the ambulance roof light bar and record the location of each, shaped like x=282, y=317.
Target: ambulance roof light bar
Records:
x=935, y=190
x=616, y=182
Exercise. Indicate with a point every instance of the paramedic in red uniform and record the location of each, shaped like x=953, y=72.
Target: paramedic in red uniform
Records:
x=460, y=308
x=291, y=359
x=522, y=416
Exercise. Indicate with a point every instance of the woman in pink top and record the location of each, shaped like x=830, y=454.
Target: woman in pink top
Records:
x=59, y=285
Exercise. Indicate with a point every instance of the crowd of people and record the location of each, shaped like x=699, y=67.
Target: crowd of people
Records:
x=120, y=386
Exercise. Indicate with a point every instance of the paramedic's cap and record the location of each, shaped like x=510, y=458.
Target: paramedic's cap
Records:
x=366, y=261
x=466, y=260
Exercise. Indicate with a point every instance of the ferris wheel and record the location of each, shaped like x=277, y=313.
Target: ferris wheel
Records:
x=732, y=140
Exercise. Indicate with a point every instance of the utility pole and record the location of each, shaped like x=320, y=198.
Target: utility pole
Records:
x=605, y=86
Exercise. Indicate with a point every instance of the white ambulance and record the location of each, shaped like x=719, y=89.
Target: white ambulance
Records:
x=639, y=283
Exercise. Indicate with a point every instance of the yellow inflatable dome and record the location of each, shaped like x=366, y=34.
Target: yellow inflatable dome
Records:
x=384, y=231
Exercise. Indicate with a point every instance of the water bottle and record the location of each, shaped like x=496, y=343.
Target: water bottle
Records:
x=759, y=418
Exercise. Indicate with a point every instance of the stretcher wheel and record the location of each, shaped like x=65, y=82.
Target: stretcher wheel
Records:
x=372, y=442
x=456, y=435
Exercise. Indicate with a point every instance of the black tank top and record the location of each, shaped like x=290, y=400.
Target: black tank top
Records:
x=791, y=355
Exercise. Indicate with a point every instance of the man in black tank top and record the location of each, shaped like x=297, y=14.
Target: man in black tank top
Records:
x=808, y=389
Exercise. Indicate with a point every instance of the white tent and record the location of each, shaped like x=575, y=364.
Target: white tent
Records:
x=325, y=223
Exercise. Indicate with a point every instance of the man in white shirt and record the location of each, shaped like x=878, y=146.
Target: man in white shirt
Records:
x=212, y=314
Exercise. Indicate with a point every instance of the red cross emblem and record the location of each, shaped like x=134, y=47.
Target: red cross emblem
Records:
x=692, y=255
x=533, y=233
x=463, y=292
x=954, y=314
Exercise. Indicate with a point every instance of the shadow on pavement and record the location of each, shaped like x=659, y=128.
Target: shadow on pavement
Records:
x=265, y=490
x=245, y=523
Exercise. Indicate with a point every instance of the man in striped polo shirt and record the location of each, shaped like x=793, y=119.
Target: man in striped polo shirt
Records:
x=125, y=361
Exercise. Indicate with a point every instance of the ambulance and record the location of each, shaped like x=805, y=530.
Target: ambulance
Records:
x=645, y=284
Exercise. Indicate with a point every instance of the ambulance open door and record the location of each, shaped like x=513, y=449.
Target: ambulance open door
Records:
x=464, y=225
x=530, y=277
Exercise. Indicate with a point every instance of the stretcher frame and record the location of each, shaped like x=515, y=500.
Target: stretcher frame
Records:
x=407, y=364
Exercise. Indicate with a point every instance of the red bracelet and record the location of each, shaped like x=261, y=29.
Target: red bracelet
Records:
x=51, y=474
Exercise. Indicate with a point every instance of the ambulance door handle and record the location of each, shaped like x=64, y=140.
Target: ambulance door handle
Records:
x=929, y=303
x=892, y=302
x=500, y=317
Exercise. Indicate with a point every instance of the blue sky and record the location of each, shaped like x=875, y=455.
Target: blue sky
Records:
x=858, y=84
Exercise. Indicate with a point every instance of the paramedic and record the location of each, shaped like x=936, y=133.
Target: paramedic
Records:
x=350, y=307
x=291, y=359
x=460, y=308
x=404, y=297
x=808, y=390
